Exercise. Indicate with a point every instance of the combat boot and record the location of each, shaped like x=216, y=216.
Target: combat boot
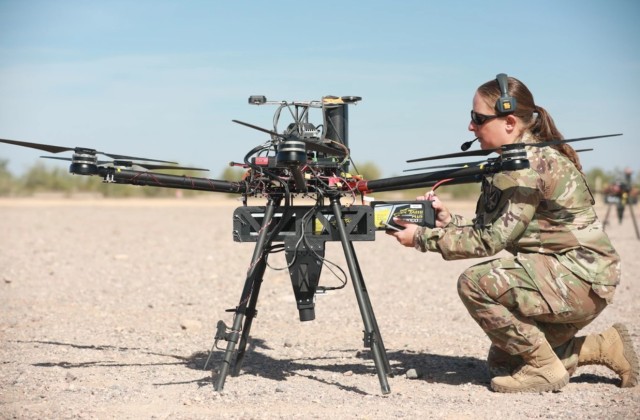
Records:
x=501, y=363
x=613, y=349
x=542, y=371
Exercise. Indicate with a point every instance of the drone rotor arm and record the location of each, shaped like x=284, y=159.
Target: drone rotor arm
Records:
x=153, y=179
x=462, y=175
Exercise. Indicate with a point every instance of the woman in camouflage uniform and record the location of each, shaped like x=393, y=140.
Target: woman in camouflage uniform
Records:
x=563, y=270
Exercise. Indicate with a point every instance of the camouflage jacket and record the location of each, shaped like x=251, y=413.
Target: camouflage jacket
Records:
x=536, y=213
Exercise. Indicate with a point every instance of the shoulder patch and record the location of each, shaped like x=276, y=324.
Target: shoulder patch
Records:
x=491, y=195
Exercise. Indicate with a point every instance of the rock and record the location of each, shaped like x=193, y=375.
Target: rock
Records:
x=190, y=325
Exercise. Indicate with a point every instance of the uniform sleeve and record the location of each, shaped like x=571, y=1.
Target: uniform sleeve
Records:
x=458, y=220
x=506, y=206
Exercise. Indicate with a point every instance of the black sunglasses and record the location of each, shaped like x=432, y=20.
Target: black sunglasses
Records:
x=479, y=119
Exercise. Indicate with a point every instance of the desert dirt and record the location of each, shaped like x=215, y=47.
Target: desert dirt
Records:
x=109, y=309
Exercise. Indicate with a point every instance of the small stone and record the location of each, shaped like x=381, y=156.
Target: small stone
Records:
x=190, y=324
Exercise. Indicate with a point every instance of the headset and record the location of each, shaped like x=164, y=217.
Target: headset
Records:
x=505, y=103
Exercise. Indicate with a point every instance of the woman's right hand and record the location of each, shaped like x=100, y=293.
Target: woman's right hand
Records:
x=443, y=216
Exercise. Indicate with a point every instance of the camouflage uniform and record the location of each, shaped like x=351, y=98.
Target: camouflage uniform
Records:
x=563, y=269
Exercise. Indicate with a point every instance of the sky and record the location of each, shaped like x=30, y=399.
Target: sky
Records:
x=164, y=79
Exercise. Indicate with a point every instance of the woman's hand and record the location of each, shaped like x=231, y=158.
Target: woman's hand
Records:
x=406, y=235
x=443, y=216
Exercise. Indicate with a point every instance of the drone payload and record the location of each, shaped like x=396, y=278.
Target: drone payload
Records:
x=312, y=156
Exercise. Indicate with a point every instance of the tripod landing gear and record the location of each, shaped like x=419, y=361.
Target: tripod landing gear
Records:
x=304, y=231
x=620, y=204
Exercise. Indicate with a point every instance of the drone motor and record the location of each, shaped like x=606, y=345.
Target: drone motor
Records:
x=84, y=162
x=291, y=153
x=514, y=158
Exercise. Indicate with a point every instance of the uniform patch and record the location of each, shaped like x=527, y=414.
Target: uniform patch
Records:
x=490, y=195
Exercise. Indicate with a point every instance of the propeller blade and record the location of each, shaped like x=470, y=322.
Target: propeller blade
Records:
x=123, y=157
x=45, y=147
x=56, y=157
x=58, y=149
x=512, y=145
x=315, y=145
x=255, y=127
x=458, y=154
x=129, y=164
x=452, y=165
x=151, y=166
x=554, y=142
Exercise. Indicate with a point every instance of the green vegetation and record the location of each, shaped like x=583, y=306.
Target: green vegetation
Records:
x=41, y=178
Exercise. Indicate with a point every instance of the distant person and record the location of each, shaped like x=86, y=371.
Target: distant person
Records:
x=563, y=270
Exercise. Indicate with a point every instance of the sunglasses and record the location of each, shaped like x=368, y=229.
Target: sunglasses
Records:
x=479, y=119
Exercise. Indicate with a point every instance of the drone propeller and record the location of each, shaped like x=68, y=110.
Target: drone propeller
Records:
x=513, y=145
x=129, y=164
x=59, y=149
x=255, y=127
x=315, y=145
x=469, y=164
x=452, y=165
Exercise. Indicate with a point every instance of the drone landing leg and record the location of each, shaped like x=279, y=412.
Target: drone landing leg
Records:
x=372, y=337
x=606, y=217
x=248, y=321
x=367, y=303
x=633, y=217
x=248, y=301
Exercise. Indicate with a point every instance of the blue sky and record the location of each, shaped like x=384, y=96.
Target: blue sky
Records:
x=164, y=79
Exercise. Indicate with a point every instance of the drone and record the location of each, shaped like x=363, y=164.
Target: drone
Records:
x=622, y=194
x=301, y=160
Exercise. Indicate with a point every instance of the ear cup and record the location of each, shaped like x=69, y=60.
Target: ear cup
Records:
x=505, y=103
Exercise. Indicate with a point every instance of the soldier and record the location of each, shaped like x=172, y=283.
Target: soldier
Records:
x=563, y=270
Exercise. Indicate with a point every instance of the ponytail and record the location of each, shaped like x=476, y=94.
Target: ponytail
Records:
x=544, y=128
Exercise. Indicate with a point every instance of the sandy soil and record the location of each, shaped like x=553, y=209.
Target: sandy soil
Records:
x=109, y=309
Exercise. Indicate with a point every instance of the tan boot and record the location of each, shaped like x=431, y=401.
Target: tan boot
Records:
x=613, y=349
x=568, y=353
x=542, y=371
x=501, y=363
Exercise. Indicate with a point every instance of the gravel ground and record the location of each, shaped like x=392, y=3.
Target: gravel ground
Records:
x=110, y=309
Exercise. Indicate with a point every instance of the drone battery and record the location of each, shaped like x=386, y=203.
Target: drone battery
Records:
x=417, y=212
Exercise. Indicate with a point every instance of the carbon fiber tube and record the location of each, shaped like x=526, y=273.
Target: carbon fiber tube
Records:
x=153, y=179
x=459, y=176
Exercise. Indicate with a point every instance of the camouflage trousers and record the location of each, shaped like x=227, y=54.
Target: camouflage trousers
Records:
x=519, y=301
